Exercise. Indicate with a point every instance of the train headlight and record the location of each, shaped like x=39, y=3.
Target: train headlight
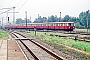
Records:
x=69, y=27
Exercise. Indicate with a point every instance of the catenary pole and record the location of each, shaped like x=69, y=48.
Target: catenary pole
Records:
x=87, y=21
x=26, y=19
x=60, y=17
x=2, y=22
x=13, y=15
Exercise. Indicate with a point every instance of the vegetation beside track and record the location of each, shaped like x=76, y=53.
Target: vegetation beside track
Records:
x=82, y=30
x=85, y=46
x=3, y=35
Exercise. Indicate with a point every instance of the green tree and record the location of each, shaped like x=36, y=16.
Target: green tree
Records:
x=82, y=18
x=89, y=19
x=18, y=20
x=53, y=19
x=80, y=22
x=40, y=20
x=66, y=18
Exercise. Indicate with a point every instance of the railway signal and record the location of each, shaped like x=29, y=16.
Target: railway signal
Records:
x=8, y=19
x=10, y=12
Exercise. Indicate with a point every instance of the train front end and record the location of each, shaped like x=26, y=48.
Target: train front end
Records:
x=71, y=26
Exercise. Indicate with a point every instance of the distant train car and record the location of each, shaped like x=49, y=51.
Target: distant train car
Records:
x=66, y=26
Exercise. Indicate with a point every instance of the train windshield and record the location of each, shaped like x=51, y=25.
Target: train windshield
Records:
x=70, y=24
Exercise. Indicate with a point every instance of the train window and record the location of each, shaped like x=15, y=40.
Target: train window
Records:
x=56, y=24
x=51, y=24
x=41, y=25
x=29, y=24
x=61, y=24
x=38, y=25
x=48, y=24
x=65, y=24
x=33, y=24
x=44, y=24
x=70, y=24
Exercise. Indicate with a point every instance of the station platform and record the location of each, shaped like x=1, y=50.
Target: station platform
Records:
x=9, y=50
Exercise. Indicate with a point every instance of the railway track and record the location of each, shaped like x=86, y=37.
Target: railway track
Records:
x=86, y=39
x=66, y=32
x=73, y=37
x=35, y=50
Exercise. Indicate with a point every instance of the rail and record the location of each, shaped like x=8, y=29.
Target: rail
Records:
x=44, y=48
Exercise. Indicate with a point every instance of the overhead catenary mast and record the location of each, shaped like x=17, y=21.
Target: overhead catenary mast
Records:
x=60, y=17
x=26, y=19
x=10, y=12
x=30, y=18
x=13, y=15
x=2, y=22
x=87, y=20
x=38, y=16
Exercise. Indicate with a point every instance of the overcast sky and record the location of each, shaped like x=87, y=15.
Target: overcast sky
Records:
x=45, y=8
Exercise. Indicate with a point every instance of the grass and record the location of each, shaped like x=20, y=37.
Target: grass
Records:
x=85, y=46
x=83, y=30
x=65, y=41
x=3, y=35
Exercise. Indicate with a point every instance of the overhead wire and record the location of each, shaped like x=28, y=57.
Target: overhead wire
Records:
x=6, y=11
x=22, y=5
x=15, y=7
x=18, y=3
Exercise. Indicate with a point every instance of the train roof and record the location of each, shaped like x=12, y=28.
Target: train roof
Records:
x=43, y=23
x=50, y=22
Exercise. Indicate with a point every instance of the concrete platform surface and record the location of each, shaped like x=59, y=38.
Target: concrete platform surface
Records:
x=9, y=50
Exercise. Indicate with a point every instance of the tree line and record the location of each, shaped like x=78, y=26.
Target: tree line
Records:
x=21, y=21
x=80, y=22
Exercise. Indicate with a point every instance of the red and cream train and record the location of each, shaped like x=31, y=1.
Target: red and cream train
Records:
x=66, y=26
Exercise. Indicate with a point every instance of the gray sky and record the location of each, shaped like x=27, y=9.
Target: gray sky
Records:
x=45, y=7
